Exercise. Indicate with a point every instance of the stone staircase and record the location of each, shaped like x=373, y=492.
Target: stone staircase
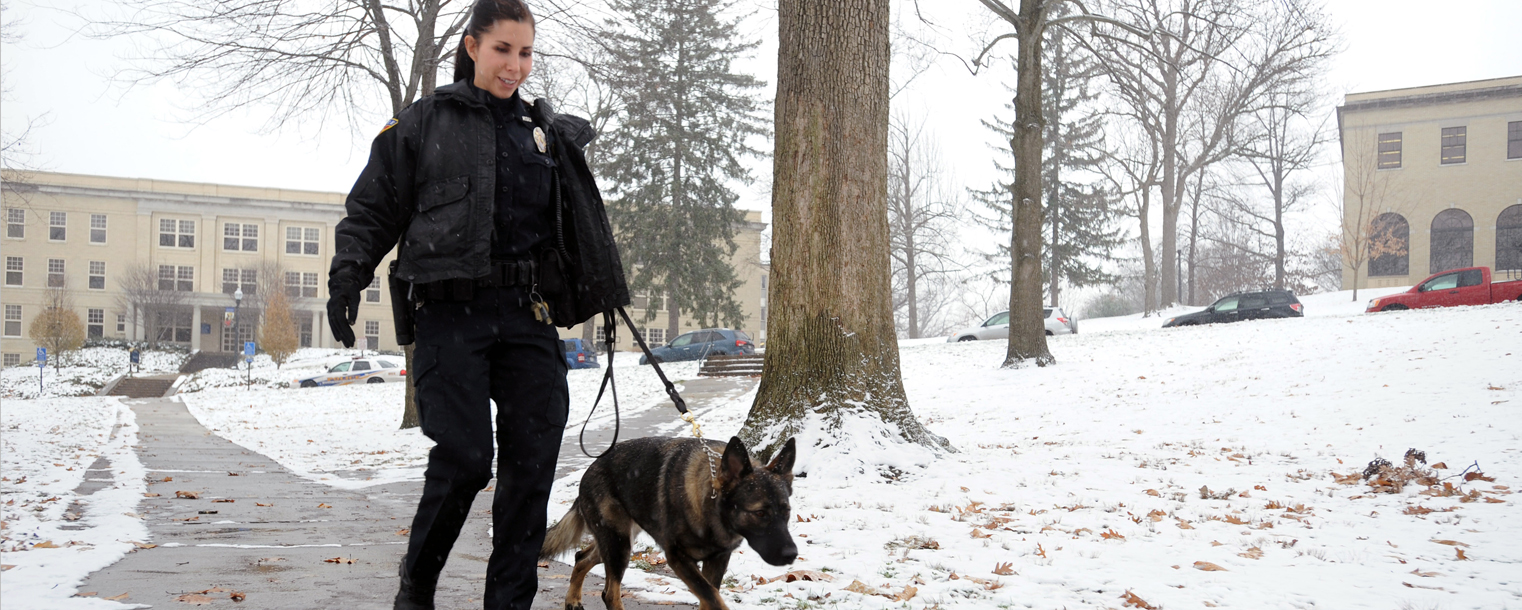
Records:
x=732, y=366
x=142, y=387
x=208, y=360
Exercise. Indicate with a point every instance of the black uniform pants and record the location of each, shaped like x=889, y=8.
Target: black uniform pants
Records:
x=490, y=347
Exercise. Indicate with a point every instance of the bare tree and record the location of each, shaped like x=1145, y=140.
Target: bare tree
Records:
x=832, y=354
x=144, y=301
x=1133, y=172
x=57, y=327
x=921, y=223
x=1366, y=196
x=1189, y=89
x=1287, y=144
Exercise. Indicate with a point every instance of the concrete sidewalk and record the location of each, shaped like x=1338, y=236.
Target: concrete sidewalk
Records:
x=286, y=542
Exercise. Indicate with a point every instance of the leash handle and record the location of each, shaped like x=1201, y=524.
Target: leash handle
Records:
x=610, y=334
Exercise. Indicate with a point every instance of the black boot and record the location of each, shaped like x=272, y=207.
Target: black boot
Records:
x=414, y=595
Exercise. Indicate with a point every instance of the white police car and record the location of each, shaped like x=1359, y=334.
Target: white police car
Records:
x=358, y=370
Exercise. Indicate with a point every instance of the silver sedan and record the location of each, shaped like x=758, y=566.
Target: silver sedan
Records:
x=997, y=326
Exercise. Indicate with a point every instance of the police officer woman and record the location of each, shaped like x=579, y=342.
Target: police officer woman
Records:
x=501, y=232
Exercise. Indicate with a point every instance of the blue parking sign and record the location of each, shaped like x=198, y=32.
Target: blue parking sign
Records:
x=248, y=351
x=42, y=357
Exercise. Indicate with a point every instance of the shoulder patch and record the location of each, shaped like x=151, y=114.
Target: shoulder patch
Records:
x=389, y=124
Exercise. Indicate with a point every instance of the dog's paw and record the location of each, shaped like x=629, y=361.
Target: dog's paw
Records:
x=575, y=606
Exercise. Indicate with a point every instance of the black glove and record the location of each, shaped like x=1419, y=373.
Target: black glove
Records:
x=343, y=309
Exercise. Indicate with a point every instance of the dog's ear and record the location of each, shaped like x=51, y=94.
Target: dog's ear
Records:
x=736, y=460
x=782, y=465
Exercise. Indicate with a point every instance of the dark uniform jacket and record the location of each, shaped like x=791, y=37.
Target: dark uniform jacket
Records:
x=430, y=183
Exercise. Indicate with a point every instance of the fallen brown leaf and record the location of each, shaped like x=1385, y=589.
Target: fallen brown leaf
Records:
x=1450, y=542
x=1422, y=574
x=263, y=504
x=322, y=505
x=404, y=532
x=340, y=560
x=1132, y=601
x=166, y=479
x=45, y=544
x=188, y=495
x=150, y=495
x=144, y=545
x=224, y=500
x=7, y=566
x=1111, y=534
x=1252, y=553
x=1208, y=567
x=1004, y=569
x=116, y=598
x=194, y=598
x=1461, y=555
x=237, y=596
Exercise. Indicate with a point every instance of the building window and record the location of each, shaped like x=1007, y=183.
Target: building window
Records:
x=121, y=322
x=182, y=279
x=13, y=271
x=302, y=240
x=177, y=233
x=599, y=337
x=246, y=280
x=15, y=223
x=97, y=228
x=304, y=331
x=1452, y=241
x=55, y=273
x=1514, y=140
x=1389, y=245
x=58, y=226
x=1389, y=150
x=240, y=237
x=97, y=275
x=1509, y=239
x=655, y=336
x=763, y=315
x=13, y=320
x=1454, y=144
x=300, y=284
x=372, y=334
x=95, y=323
x=175, y=326
x=12, y=359
x=372, y=294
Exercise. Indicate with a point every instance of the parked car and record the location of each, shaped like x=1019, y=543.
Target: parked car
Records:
x=358, y=370
x=1452, y=288
x=578, y=355
x=1244, y=306
x=700, y=344
x=997, y=326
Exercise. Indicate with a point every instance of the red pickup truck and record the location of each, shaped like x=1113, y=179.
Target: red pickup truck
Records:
x=1452, y=288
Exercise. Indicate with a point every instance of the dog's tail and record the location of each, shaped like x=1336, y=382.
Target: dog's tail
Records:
x=565, y=535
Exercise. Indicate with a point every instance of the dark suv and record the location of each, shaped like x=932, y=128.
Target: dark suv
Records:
x=1244, y=306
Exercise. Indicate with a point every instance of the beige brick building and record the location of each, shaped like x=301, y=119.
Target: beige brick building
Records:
x=98, y=237
x=1439, y=169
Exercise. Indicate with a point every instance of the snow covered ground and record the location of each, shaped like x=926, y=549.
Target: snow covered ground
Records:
x=1191, y=467
x=83, y=373
x=52, y=537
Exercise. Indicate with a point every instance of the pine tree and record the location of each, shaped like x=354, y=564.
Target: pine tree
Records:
x=1078, y=220
x=676, y=150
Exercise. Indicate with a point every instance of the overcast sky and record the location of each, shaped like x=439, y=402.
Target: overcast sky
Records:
x=87, y=125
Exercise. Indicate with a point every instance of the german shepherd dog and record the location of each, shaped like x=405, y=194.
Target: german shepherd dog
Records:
x=696, y=512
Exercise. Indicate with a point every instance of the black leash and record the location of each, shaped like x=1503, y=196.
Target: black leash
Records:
x=610, y=328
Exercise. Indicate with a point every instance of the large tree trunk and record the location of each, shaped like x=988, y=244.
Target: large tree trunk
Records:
x=409, y=409
x=1027, y=326
x=831, y=349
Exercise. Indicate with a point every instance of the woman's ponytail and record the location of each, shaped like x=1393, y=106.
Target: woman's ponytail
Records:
x=483, y=15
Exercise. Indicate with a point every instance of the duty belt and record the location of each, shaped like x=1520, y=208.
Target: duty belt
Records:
x=503, y=273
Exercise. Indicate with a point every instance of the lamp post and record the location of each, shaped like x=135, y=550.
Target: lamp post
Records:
x=1180, y=259
x=237, y=304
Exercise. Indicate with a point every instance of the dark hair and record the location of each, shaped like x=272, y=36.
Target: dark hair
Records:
x=483, y=15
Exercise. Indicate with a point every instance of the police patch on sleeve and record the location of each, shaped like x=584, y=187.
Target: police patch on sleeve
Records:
x=389, y=124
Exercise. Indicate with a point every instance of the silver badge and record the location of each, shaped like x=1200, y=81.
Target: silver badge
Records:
x=539, y=139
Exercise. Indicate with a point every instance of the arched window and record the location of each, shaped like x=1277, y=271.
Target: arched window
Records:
x=1452, y=241
x=1389, y=245
x=1509, y=239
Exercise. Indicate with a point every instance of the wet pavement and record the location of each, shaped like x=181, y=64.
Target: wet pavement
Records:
x=281, y=541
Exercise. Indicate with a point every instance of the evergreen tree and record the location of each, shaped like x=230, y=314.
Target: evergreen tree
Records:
x=675, y=153
x=1078, y=219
